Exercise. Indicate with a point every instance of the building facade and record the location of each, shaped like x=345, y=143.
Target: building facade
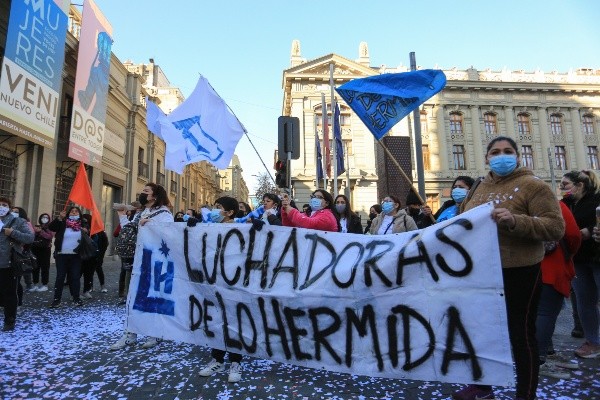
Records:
x=39, y=178
x=233, y=183
x=553, y=117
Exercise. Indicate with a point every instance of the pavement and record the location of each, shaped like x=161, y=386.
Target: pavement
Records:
x=63, y=354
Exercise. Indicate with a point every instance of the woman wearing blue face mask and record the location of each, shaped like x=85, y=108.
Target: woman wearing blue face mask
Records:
x=224, y=211
x=392, y=219
x=450, y=208
x=527, y=214
x=68, y=227
x=321, y=217
x=348, y=221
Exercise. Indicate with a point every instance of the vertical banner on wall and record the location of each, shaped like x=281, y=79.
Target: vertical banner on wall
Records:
x=91, y=87
x=31, y=74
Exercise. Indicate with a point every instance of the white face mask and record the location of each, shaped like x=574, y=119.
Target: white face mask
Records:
x=4, y=210
x=15, y=214
x=44, y=220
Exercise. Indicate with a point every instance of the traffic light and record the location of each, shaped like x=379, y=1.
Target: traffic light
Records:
x=281, y=174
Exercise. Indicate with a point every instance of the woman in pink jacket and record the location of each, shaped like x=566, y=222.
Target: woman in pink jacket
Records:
x=321, y=218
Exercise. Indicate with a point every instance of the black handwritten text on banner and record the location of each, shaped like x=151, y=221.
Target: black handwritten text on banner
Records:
x=425, y=305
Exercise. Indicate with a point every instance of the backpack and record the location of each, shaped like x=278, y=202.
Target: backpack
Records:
x=127, y=239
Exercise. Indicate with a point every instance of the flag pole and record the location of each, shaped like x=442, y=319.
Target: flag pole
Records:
x=347, y=166
x=325, y=138
x=391, y=156
x=245, y=133
x=334, y=151
x=418, y=140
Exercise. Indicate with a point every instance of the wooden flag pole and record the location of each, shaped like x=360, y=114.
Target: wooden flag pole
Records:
x=389, y=153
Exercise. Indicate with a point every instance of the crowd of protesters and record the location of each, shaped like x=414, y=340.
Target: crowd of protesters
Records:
x=549, y=248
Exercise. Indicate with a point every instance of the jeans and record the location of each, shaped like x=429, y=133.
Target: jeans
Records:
x=587, y=285
x=67, y=264
x=550, y=305
x=219, y=355
x=522, y=286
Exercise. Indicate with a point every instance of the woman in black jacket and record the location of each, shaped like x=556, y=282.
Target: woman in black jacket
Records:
x=92, y=265
x=68, y=262
x=348, y=221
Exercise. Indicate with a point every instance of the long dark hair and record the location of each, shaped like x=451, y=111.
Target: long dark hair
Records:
x=348, y=213
x=511, y=141
x=160, y=195
x=328, y=198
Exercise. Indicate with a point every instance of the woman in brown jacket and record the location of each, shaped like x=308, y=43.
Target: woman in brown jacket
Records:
x=527, y=214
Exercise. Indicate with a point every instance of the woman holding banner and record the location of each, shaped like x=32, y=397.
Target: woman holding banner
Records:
x=155, y=202
x=321, y=218
x=527, y=214
x=392, y=219
x=348, y=220
x=225, y=210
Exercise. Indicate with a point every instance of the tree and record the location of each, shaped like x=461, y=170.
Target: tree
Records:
x=264, y=184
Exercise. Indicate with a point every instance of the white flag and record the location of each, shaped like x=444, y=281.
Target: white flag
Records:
x=202, y=128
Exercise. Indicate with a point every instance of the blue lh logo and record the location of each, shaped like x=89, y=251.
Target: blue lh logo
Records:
x=156, y=305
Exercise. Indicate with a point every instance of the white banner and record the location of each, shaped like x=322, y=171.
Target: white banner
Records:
x=424, y=305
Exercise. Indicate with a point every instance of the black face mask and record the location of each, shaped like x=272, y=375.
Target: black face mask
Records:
x=372, y=216
x=414, y=211
x=143, y=198
x=240, y=214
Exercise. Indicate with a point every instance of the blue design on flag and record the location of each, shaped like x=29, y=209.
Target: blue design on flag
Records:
x=319, y=159
x=202, y=128
x=339, y=146
x=156, y=305
x=209, y=147
x=382, y=101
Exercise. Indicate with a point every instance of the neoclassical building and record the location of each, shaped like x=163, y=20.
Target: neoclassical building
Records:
x=552, y=116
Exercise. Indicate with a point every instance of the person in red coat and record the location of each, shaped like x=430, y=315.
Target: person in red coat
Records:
x=321, y=218
x=557, y=272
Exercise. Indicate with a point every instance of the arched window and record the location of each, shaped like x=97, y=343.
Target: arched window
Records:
x=588, y=124
x=556, y=124
x=490, y=124
x=524, y=124
x=456, y=123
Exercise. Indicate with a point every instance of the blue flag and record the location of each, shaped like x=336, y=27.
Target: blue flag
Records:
x=339, y=146
x=382, y=101
x=319, y=159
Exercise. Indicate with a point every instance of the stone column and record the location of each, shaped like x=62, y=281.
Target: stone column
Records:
x=442, y=139
x=540, y=162
x=509, y=116
x=580, y=153
x=479, y=161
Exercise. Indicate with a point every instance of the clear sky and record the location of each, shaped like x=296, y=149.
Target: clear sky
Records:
x=242, y=47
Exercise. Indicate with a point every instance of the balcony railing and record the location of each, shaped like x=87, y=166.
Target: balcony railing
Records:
x=173, y=186
x=142, y=169
x=160, y=179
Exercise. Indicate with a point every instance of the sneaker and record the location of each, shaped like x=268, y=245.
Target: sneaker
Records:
x=552, y=371
x=151, y=342
x=588, y=350
x=128, y=339
x=235, y=373
x=42, y=288
x=577, y=333
x=30, y=288
x=474, y=392
x=87, y=294
x=103, y=289
x=212, y=368
x=562, y=361
x=55, y=304
x=78, y=302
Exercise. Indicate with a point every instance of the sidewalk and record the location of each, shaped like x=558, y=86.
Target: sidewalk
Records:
x=63, y=354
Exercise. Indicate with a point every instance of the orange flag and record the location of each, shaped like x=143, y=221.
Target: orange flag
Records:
x=81, y=193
